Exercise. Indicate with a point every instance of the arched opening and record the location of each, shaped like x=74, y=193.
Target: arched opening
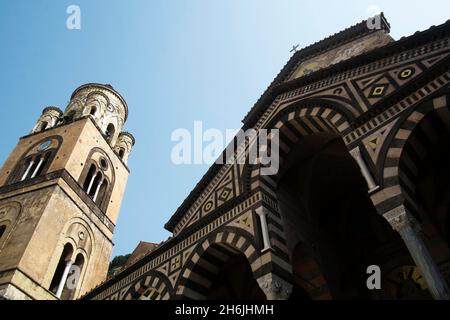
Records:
x=43, y=126
x=425, y=176
x=223, y=273
x=2, y=231
x=93, y=111
x=73, y=278
x=69, y=117
x=325, y=204
x=110, y=131
x=93, y=192
x=25, y=168
x=89, y=178
x=66, y=255
x=41, y=163
x=102, y=192
x=309, y=283
x=32, y=166
x=121, y=153
x=35, y=167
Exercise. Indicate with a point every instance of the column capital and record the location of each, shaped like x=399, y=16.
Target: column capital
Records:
x=399, y=219
x=274, y=287
x=262, y=211
x=355, y=152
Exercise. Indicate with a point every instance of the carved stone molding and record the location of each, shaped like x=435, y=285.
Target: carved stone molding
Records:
x=399, y=219
x=274, y=287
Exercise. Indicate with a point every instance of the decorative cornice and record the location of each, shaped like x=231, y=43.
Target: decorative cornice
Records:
x=73, y=184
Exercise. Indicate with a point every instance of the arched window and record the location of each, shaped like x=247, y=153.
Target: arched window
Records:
x=73, y=278
x=43, y=126
x=93, y=111
x=60, y=276
x=121, y=153
x=110, y=131
x=69, y=117
x=101, y=194
x=26, y=168
x=34, y=165
x=97, y=178
x=89, y=179
x=2, y=231
x=95, y=184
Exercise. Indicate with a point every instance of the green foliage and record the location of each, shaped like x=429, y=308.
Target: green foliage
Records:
x=118, y=262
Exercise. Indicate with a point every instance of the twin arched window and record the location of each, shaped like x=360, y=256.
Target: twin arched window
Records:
x=36, y=160
x=60, y=285
x=32, y=166
x=96, y=184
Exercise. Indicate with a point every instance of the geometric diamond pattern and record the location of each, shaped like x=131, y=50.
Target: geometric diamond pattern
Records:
x=225, y=194
x=378, y=91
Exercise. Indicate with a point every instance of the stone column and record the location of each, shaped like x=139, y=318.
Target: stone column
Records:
x=405, y=224
x=97, y=190
x=91, y=183
x=27, y=171
x=41, y=161
x=356, y=154
x=62, y=283
x=262, y=213
x=274, y=287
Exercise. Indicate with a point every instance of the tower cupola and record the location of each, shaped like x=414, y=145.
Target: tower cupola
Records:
x=49, y=118
x=123, y=146
x=106, y=106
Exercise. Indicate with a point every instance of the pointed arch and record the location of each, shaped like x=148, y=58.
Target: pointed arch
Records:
x=299, y=119
x=153, y=286
x=210, y=255
x=407, y=145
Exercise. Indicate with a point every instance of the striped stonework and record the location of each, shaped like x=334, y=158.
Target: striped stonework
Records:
x=151, y=287
x=206, y=261
x=418, y=131
x=295, y=122
x=390, y=104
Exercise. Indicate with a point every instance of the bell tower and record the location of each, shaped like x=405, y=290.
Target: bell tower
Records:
x=60, y=194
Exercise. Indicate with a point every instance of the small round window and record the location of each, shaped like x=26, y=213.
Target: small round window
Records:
x=44, y=145
x=103, y=163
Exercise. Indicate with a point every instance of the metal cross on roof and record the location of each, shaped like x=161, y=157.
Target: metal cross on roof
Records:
x=294, y=48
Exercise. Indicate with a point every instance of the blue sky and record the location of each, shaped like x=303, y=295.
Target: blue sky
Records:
x=174, y=61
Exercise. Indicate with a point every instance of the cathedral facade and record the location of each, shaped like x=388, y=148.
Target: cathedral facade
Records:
x=363, y=184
